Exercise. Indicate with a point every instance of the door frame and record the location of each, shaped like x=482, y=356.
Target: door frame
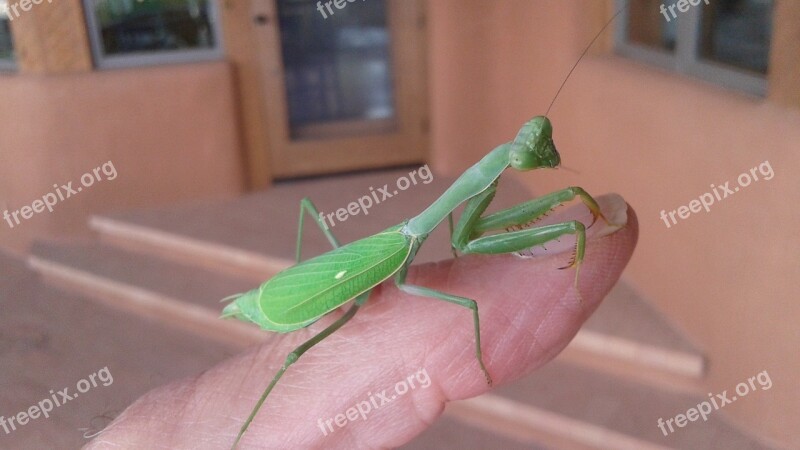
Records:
x=407, y=144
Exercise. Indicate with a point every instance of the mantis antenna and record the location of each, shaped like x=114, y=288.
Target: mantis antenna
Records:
x=569, y=169
x=582, y=55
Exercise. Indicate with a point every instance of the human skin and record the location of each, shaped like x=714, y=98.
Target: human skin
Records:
x=529, y=312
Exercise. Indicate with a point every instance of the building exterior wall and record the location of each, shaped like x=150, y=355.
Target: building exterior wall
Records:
x=727, y=277
x=170, y=132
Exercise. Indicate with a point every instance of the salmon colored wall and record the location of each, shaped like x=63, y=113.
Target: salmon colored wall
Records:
x=169, y=131
x=727, y=277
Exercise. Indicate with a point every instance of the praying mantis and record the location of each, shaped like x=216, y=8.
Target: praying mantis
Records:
x=300, y=295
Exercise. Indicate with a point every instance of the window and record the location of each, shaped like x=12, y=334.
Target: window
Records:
x=724, y=41
x=6, y=43
x=127, y=33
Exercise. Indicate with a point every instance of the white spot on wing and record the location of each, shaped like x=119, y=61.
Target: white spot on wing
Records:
x=340, y=274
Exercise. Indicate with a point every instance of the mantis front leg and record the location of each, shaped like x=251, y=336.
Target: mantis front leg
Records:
x=467, y=235
x=529, y=212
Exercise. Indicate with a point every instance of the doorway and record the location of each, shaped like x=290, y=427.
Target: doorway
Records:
x=344, y=84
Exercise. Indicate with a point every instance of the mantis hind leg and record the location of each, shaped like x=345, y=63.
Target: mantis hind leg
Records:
x=292, y=357
x=421, y=291
x=306, y=205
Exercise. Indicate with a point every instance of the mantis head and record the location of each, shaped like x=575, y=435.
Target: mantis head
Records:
x=533, y=147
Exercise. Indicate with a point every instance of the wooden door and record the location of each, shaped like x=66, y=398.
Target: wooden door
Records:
x=345, y=88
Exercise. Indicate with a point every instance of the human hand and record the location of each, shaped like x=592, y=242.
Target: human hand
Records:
x=529, y=312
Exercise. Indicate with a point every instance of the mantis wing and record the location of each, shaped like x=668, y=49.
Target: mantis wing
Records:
x=301, y=294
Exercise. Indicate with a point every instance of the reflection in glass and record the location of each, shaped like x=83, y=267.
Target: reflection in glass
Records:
x=337, y=69
x=737, y=33
x=647, y=26
x=135, y=26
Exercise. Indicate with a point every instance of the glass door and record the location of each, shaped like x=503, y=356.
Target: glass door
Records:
x=344, y=84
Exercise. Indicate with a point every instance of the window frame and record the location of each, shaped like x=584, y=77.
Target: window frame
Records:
x=161, y=57
x=9, y=65
x=686, y=58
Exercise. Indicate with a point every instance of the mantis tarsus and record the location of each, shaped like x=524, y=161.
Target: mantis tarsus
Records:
x=302, y=294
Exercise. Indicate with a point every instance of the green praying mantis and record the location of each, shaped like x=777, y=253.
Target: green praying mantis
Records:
x=304, y=293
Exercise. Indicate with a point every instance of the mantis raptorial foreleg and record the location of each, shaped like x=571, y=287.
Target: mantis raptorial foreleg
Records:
x=450, y=227
x=473, y=209
x=421, y=291
x=514, y=241
x=532, y=210
x=466, y=237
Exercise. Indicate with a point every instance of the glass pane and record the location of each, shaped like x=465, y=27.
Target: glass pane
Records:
x=337, y=67
x=648, y=26
x=737, y=33
x=6, y=44
x=131, y=26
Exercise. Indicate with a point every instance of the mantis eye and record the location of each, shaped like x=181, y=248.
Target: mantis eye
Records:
x=522, y=159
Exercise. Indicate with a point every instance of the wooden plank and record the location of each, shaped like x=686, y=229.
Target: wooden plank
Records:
x=784, y=78
x=182, y=297
x=447, y=432
x=51, y=38
x=533, y=423
x=647, y=24
x=602, y=411
x=597, y=14
x=242, y=49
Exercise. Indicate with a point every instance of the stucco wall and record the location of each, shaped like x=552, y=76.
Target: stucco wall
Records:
x=169, y=131
x=728, y=277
